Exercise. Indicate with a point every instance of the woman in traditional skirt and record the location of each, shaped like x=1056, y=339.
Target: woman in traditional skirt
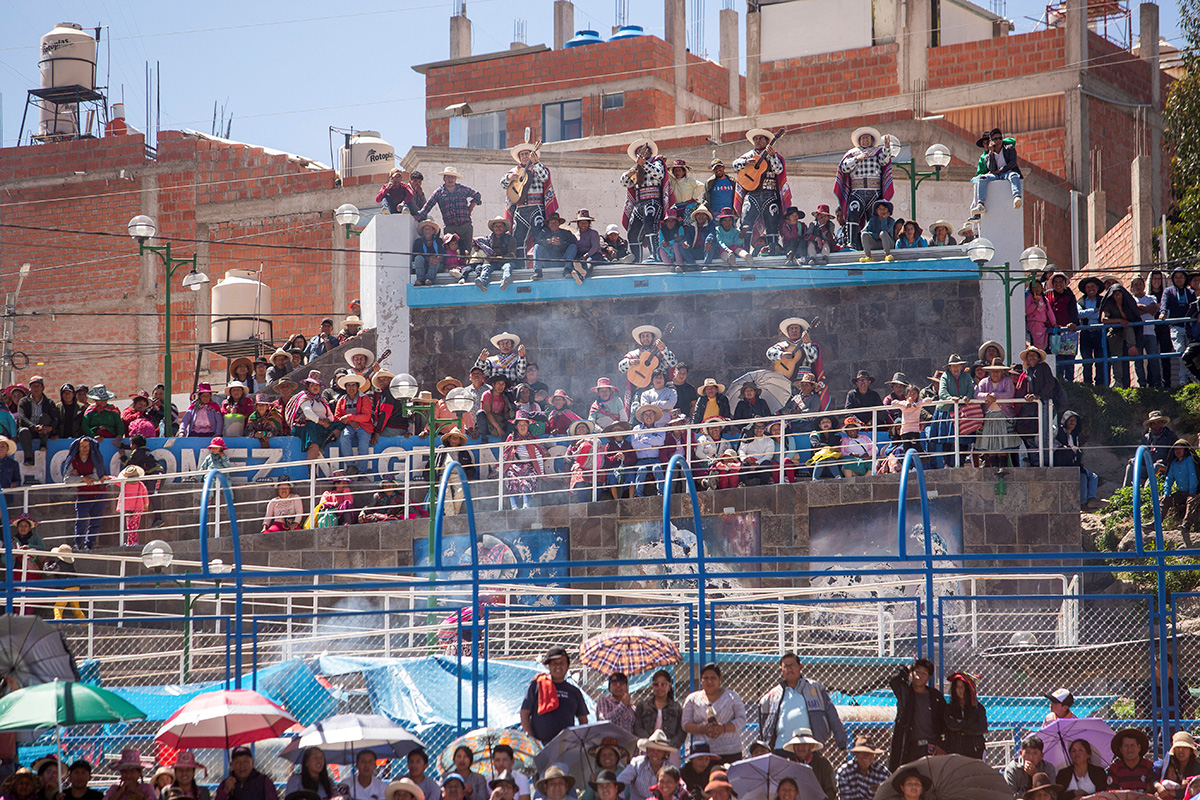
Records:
x=524, y=462
x=997, y=440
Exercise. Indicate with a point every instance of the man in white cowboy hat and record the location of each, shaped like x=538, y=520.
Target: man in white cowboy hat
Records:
x=499, y=250
x=798, y=345
x=646, y=439
x=864, y=176
x=361, y=361
x=649, y=339
x=509, y=362
x=762, y=207
x=537, y=198
x=351, y=327
x=456, y=201
x=641, y=774
x=648, y=193
x=862, y=774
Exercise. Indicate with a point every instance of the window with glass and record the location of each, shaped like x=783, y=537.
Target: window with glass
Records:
x=562, y=121
x=480, y=131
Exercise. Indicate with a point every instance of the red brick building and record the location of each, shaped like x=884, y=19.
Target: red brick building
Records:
x=91, y=309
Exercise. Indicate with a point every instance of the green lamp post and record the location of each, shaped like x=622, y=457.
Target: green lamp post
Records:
x=937, y=156
x=142, y=228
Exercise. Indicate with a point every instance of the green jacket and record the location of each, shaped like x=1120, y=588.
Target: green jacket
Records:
x=107, y=418
x=982, y=167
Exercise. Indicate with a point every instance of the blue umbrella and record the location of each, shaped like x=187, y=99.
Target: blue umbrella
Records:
x=343, y=737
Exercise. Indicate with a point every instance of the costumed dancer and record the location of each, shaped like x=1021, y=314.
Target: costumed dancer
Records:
x=537, y=199
x=761, y=205
x=648, y=194
x=864, y=176
x=650, y=343
x=799, y=345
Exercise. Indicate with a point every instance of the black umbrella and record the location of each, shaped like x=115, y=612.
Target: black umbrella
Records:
x=32, y=651
x=953, y=778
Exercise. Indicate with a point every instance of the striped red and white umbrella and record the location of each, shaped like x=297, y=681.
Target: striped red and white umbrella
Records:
x=629, y=650
x=224, y=719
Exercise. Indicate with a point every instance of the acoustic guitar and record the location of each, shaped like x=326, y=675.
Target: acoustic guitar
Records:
x=750, y=177
x=641, y=372
x=520, y=184
x=369, y=372
x=787, y=364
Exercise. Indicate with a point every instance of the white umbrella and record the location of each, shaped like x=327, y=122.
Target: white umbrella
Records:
x=343, y=737
x=774, y=387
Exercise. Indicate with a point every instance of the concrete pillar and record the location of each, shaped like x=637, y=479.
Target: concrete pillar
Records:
x=1141, y=210
x=460, y=36
x=383, y=279
x=564, y=22
x=730, y=58
x=1077, y=142
x=1148, y=50
x=1004, y=227
x=753, y=60
x=1097, y=223
x=675, y=16
x=912, y=59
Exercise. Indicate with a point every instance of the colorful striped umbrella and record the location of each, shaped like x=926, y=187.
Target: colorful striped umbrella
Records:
x=482, y=740
x=628, y=650
x=224, y=719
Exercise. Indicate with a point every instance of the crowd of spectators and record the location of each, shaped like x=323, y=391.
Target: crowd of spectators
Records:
x=686, y=750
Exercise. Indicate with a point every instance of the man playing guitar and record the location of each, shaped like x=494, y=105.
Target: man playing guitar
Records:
x=761, y=204
x=647, y=196
x=650, y=349
x=798, y=354
x=536, y=198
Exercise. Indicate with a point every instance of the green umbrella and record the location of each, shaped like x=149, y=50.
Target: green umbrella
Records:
x=59, y=703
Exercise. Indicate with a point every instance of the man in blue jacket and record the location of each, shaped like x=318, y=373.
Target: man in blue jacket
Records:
x=795, y=703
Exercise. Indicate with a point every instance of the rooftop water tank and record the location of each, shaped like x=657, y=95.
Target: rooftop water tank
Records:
x=241, y=307
x=627, y=32
x=67, y=58
x=367, y=154
x=583, y=37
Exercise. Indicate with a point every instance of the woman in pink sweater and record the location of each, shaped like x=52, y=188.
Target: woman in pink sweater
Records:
x=1039, y=316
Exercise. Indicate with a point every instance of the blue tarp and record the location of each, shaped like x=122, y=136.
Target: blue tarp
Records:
x=422, y=694
x=291, y=684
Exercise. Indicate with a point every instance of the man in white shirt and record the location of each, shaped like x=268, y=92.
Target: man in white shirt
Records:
x=502, y=762
x=365, y=785
x=1148, y=307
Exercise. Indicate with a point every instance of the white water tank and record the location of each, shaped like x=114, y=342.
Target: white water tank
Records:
x=67, y=58
x=241, y=307
x=367, y=154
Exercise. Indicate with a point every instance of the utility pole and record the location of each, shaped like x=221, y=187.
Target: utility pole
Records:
x=10, y=319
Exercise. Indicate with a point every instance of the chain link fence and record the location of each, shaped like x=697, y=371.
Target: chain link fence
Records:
x=327, y=651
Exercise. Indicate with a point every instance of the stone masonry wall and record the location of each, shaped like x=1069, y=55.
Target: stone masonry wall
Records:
x=910, y=328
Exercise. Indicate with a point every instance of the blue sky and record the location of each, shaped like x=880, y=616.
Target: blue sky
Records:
x=289, y=71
